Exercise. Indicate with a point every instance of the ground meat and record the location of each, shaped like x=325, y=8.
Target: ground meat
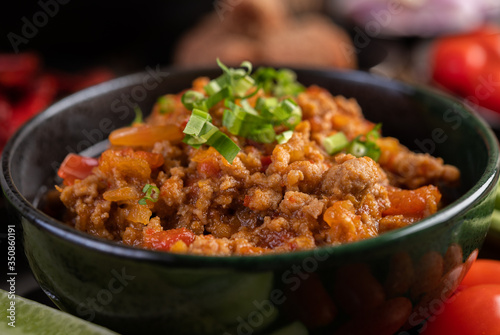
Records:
x=271, y=198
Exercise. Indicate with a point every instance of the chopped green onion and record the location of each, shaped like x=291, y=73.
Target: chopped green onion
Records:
x=193, y=99
x=239, y=80
x=284, y=137
x=241, y=121
x=373, y=134
x=335, y=143
x=219, y=96
x=138, y=115
x=373, y=151
x=357, y=149
x=196, y=122
x=265, y=105
x=294, y=112
x=199, y=130
x=213, y=87
x=166, y=103
x=280, y=83
x=241, y=86
x=263, y=134
x=152, y=194
x=224, y=145
x=255, y=123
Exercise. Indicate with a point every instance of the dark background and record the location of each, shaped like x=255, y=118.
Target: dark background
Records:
x=122, y=35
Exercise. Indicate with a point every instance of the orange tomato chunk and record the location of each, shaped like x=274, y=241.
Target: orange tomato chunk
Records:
x=419, y=203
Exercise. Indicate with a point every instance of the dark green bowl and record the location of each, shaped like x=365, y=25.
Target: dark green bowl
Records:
x=383, y=283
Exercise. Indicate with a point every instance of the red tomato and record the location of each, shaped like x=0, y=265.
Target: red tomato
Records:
x=469, y=65
x=76, y=167
x=457, y=62
x=165, y=239
x=483, y=271
x=473, y=311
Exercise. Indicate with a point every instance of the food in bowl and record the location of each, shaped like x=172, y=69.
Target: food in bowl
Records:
x=243, y=165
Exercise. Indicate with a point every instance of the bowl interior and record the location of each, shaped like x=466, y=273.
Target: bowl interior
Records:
x=421, y=119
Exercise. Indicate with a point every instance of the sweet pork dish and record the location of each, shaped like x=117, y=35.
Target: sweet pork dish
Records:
x=248, y=164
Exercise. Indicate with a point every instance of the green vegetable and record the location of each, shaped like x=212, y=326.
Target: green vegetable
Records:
x=166, y=104
x=199, y=130
x=255, y=123
x=284, y=136
x=193, y=99
x=152, y=194
x=239, y=80
x=358, y=147
x=138, y=115
x=280, y=83
x=335, y=143
x=34, y=318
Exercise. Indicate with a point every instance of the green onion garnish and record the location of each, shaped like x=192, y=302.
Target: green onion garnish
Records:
x=335, y=143
x=284, y=137
x=239, y=80
x=358, y=147
x=152, y=194
x=138, y=115
x=255, y=123
x=280, y=83
x=193, y=99
x=263, y=134
x=199, y=130
x=166, y=103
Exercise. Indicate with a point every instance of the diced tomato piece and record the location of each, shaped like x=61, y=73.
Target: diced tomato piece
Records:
x=208, y=167
x=419, y=203
x=164, y=240
x=247, y=200
x=265, y=161
x=76, y=167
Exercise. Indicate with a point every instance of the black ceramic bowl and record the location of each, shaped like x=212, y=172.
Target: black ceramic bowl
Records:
x=386, y=283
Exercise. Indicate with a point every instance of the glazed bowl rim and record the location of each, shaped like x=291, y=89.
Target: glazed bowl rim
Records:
x=485, y=185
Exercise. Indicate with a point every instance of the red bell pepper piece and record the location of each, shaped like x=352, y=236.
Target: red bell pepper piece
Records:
x=76, y=167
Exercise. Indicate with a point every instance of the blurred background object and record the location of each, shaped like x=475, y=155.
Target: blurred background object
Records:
x=26, y=88
x=423, y=18
x=266, y=32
